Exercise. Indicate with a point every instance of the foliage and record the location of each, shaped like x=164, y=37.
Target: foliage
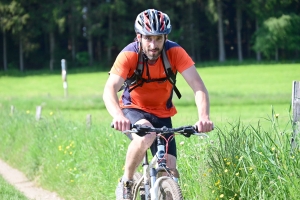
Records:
x=283, y=33
x=107, y=26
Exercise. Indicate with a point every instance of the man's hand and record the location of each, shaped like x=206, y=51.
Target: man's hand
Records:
x=204, y=126
x=121, y=123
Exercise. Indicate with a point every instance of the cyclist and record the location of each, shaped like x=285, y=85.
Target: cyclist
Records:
x=150, y=103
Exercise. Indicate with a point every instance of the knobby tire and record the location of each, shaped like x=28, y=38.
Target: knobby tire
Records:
x=169, y=190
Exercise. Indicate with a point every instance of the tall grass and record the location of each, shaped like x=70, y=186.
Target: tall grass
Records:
x=62, y=154
x=250, y=162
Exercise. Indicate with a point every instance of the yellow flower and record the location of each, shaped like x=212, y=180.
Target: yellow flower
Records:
x=27, y=111
x=226, y=170
x=222, y=195
x=228, y=163
x=51, y=113
x=276, y=115
x=217, y=183
x=71, y=153
x=273, y=148
x=237, y=173
x=59, y=148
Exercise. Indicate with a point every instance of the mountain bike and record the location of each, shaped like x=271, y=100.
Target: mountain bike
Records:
x=158, y=182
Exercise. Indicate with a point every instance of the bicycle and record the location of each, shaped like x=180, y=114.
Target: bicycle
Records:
x=149, y=185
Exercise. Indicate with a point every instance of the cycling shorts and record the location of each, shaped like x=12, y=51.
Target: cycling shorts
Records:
x=135, y=115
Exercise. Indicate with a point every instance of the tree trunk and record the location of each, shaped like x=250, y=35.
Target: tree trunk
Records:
x=21, y=55
x=89, y=34
x=276, y=54
x=4, y=52
x=109, y=46
x=99, y=49
x=52, y=47
x=72, y=28
x=258, y=53
x=238, y=28
x=192, y=34
x=220, y=32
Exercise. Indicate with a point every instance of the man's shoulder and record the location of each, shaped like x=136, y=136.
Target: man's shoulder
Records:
x=132, y=47
x=171, y=44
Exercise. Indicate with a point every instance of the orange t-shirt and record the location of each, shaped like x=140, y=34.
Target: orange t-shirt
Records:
x=152, y=97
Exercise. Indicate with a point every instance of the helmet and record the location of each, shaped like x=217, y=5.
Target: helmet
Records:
x=152, y=22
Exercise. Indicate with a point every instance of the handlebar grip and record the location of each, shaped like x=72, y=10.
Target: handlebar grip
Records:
x=112, y=125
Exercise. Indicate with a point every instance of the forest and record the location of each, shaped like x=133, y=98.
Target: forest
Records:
x=39, y=34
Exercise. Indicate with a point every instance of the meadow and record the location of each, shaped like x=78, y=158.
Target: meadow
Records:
x=248, y=155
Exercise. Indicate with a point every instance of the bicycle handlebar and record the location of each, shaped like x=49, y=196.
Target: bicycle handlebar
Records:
x=142, y=130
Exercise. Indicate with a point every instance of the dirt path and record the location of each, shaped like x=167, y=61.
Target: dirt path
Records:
x=28, y=188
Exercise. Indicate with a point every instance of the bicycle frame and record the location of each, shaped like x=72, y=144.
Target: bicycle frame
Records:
x=150, y=171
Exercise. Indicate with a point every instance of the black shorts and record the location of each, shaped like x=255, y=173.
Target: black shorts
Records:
x=135, y=115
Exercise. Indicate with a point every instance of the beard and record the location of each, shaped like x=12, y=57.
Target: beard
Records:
x=153, y=55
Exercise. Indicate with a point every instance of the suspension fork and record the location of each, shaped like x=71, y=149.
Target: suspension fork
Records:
x=145, y=176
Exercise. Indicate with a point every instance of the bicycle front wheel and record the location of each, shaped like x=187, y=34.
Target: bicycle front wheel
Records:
x=169, y=190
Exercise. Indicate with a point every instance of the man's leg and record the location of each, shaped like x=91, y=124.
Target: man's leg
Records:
x=136, y=151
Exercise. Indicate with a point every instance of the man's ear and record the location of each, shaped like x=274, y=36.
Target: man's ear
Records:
x=139, y=37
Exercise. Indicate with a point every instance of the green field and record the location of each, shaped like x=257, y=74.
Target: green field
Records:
x=64, y=155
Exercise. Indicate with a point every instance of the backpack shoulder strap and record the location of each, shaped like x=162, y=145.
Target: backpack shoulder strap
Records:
x=170, y=75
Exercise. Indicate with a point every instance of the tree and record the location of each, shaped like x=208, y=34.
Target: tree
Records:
x=239, y=4
x=278, y=33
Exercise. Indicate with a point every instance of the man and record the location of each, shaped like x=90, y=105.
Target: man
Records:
x=149, y=100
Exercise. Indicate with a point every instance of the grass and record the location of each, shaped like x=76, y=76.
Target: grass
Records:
x=7, y=191
x=64, y=155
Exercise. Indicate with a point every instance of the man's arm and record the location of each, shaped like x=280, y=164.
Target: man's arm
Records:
x=201, y=98
x=111, y=101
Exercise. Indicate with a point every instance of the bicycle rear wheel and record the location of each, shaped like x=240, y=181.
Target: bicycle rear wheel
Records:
x=169, y=190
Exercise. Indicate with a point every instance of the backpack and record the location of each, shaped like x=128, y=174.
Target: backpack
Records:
x=136, y=79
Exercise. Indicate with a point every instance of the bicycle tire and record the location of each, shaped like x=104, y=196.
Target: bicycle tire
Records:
x=169, y=190
x=136, y=177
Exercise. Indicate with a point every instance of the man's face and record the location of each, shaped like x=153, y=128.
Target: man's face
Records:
x=152, y=45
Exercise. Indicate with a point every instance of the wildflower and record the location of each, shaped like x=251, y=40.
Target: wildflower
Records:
x=204, y=174
x=181, y=143
x=71, y=152
x=67, y=147
x=273, y=148
x=27, y=111
x=276, y=115
x=217, y=183
x=51, y=113
x=228, y=163
x=71, y=181
x=250, y=168
x=237, y=173
x=222, y=195
x=59, y=148
x=210, y=170
x=226, y=170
